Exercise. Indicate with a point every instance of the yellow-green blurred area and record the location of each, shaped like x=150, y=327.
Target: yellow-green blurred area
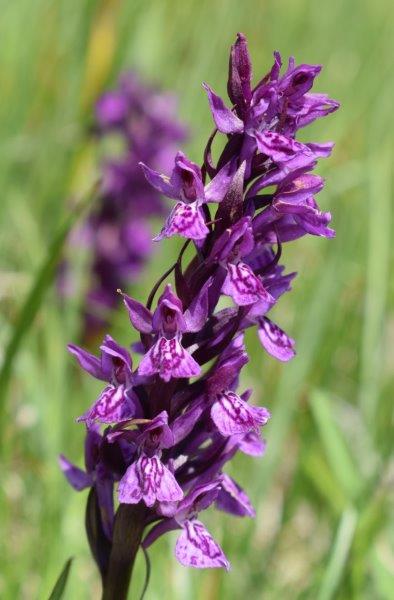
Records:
x=323, y=492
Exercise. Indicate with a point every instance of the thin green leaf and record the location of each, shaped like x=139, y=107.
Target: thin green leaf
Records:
x=383, y=574
x=377, y=276
x=337, y=452
x=321, y=477
x=339, y=554
x=61, y=582
x=35, y=297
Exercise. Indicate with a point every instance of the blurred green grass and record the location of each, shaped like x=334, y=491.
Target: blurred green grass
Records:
x=323, y=492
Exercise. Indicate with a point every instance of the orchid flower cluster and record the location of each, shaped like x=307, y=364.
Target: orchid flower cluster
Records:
x=118, y=232
x=173, y=423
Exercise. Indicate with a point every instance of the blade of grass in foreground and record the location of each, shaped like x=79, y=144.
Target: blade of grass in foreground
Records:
x=377, y=281
x=334, y=445
x=36, y=294
x=340, y=552
x=61, y=582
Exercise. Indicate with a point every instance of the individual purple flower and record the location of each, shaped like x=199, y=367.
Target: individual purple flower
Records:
x=195, y=547
x=167, y=356
x=185, y=185
x=240, y=283
x=178, y=419
x=117, y=402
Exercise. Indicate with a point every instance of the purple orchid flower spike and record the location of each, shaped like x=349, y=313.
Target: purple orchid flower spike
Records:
x=275, y=101
x=185, y=185
x=179, y=419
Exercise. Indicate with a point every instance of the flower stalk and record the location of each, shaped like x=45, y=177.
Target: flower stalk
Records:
x=128, y=530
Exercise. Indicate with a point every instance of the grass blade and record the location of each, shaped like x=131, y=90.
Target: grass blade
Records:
x=61, y=582
x=36, y=294
x=339, y=554
x=379, y=249
x=337, y=452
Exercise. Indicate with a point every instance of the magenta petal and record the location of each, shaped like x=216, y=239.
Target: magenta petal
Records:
x=279, y=147
x=114, y=405
x=150, y=480
x=140, y=316
x=321, y=150
x=232, y=415
x=112, y=349
x=160, y=182
x=196, y=315
x=252, y=444
x=275, y=340
x=226, y=121
x=196, y=548
x=186, y=220
x=183, y=424
x=169, y=359
x=187, y=179
x=243, y=285
x=77, y=478
x=216, y=189
x=130, y=490
x=87, y=361
x=233, y=499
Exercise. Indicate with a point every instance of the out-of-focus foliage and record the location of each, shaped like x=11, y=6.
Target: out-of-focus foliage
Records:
x=324, y=527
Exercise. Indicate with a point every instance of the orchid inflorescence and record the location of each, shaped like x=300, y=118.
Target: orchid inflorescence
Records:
x=174, y=422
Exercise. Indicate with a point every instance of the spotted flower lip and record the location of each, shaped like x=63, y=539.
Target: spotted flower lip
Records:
x=149, y=480
x=173, y=423
x=196, y=548
x=232, y=415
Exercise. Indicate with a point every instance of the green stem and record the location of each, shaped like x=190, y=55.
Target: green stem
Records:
x=128, y=530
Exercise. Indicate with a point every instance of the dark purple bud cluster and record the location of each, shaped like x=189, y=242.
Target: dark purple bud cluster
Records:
x=176, y=420
x=118, y=232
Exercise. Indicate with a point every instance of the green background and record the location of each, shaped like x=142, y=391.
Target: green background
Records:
x=324, y=489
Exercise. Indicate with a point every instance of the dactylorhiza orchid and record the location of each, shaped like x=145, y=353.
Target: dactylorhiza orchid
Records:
x=117, y=233
x=172, y=423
